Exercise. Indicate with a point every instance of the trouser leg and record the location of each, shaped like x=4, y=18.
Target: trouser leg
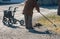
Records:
x=28, y=21
x=58, y=11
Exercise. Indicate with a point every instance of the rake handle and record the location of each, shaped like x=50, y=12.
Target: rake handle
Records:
x=47, y=18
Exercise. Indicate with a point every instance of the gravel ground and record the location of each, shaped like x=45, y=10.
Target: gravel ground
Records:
x=20, y=32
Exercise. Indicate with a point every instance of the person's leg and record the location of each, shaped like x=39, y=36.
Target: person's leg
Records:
x=58, y=10
x=26, y=20
x=30, y=22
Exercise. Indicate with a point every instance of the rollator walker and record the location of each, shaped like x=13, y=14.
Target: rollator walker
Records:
x=8, y=17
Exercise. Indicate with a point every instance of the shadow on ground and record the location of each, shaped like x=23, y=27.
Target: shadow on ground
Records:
x=38, y=32
x=11, y=26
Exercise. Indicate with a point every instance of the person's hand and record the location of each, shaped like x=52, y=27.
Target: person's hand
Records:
x=38, y=10
x=22, y=13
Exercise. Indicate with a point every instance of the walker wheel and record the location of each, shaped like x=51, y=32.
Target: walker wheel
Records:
x=21, y=22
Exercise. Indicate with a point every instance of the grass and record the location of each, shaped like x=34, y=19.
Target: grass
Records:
x=55, y=19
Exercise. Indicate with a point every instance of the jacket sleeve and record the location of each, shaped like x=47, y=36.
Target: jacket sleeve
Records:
x=36, y=6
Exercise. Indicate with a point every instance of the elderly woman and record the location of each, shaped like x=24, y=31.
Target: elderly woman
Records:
x=28, y=12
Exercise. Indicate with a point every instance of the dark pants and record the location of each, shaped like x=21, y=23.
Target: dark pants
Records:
x=28, y=21
x=58, y=10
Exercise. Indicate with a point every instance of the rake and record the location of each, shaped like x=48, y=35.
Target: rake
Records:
x=48, y=19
